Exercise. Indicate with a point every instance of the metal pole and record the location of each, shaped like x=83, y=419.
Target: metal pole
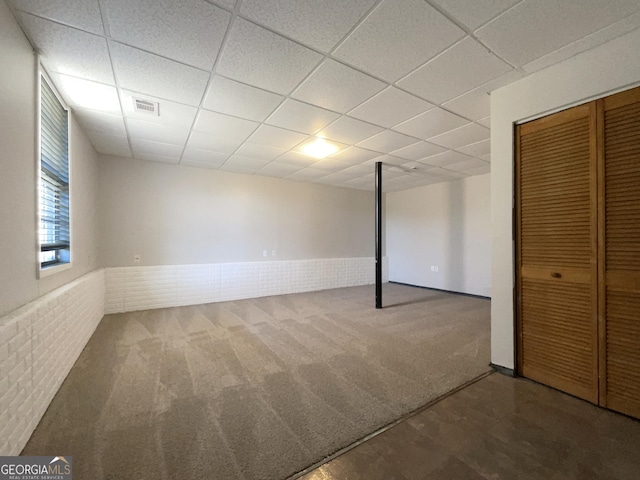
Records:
x=378, y=234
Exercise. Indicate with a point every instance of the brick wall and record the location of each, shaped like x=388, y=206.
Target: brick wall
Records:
x=39, y=343
x=141, y=288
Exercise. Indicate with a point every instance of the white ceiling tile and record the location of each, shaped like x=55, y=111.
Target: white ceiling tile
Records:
x=534, y=28
x=190, y=31
x=461, y=68
x=225, y=126
x=157, y=76
x=158, y=158
x=86, y=94
x=355, y=155
x=307, y=174
x=147, y=148
x=170, y=113
x=465, y=165
x=462, y=136
x=444, y=159
x=337, y=87
x=264, y=59
x=390, y=107
x=349, y=130
x=194, y=156
x=418, y=151
x=139, y=129
x=330, y=165
x=477, y=149
x=83, y=14
x=431, y=123
x=228, y=4
x=101, y=122
x=206, y=141
x=474, y=13
x=276, y=137
x=476, y=103
x=397, y=37
x=387, y=141
x=473, y=105
x=357, y=171
x=301, y=117
x=485, y=121
x=317, y=23
x=279, y=170
x=69, y=51
x=240, y=161
x=599, y=37
x=109, y=144
x=296, y=158
x=235, y=98
x=262, y=152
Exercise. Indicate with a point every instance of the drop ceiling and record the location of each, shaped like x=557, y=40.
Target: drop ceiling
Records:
x=243, y=85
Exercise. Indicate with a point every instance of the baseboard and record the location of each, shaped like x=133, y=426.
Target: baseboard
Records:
x=143, y=288
x=39, y=343
x=509, y=372
x=442, y=290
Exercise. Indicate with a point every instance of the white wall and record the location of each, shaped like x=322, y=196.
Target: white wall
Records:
x=445, y=225
x=175, y=215
x=611, y=67
x=18, y=202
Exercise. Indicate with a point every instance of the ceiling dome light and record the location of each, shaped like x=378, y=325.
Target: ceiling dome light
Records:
x=319, y=148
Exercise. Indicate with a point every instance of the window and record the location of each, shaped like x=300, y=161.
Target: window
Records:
x=55, y=241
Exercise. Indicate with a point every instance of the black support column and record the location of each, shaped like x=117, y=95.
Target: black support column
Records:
x=378, y=234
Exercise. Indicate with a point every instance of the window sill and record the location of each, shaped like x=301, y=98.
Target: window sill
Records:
x=53, y=269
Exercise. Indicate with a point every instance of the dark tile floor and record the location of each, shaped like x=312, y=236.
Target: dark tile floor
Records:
x=498, y=428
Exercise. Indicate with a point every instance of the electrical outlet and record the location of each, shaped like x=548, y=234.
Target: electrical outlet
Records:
x=433, y=269
x=437, y=269
x=136, y=259
x=264, y=253
x=273, y=253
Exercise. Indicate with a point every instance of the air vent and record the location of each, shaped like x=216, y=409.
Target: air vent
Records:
x=146, y=107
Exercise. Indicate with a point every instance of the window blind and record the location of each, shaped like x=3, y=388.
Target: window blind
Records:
x=54, y=178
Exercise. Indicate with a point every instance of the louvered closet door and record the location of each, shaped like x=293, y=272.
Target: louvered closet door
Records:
x=557, y=251
x=620, y=290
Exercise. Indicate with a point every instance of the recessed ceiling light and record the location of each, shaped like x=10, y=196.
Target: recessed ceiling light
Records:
x=319, y=148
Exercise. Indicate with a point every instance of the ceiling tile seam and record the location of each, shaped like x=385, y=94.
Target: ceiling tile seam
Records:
x=355, y=26
x=149, y=52
x=223, y=44
x=527, y=72
x=106, y=35
x=285, y=97
x=471, y=33
x=16, y=9
x=495, y=17
x=329, y=55
x=223, y=7
x=105, y=27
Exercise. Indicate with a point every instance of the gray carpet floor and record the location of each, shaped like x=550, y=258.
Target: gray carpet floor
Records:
x=260, y=388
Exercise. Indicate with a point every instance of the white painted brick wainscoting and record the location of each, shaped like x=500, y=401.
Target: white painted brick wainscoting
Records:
x=141, y=288
x=39, y=343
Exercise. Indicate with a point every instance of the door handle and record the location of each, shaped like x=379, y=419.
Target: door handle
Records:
x=556, y=275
